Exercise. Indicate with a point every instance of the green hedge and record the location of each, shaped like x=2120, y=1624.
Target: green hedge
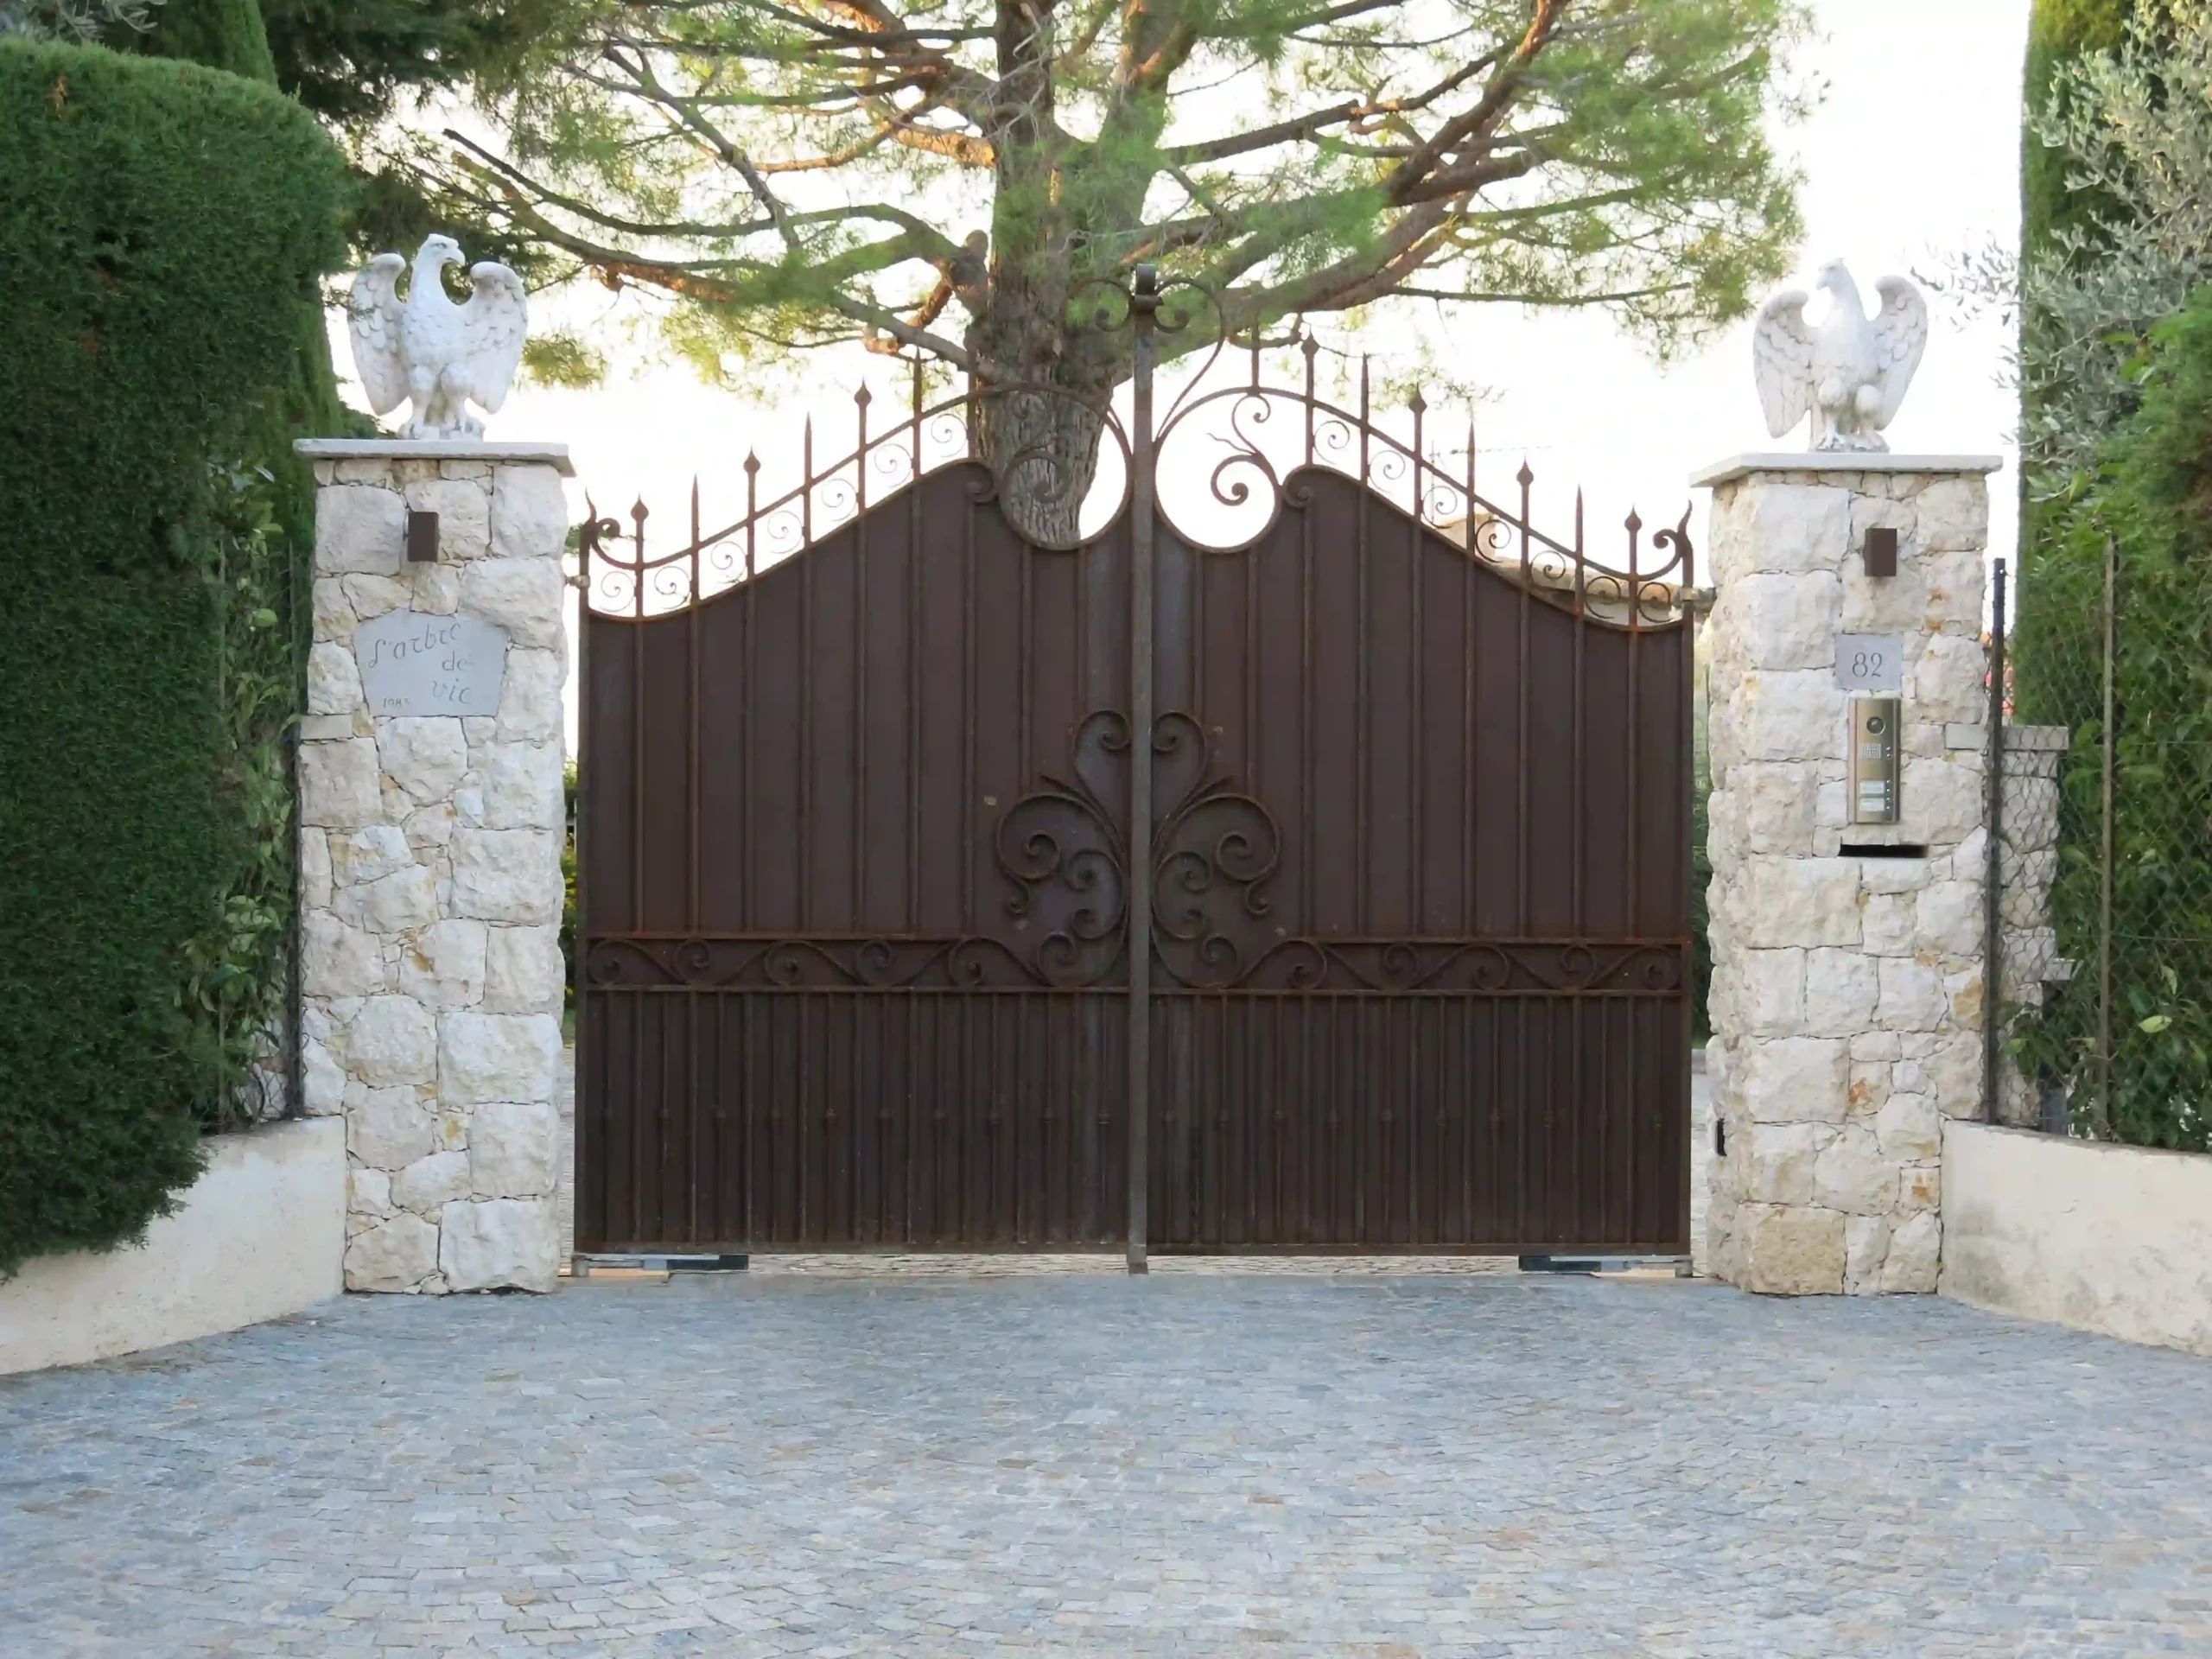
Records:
x=162, y=230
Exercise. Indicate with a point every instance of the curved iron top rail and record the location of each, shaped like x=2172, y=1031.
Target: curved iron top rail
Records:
x=1247, y=482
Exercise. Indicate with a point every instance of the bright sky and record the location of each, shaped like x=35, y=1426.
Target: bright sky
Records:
x=1911, y=157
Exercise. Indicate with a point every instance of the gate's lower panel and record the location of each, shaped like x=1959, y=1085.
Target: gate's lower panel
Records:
x=1482, y=1123
x=805, y=1119
x=735, y=1120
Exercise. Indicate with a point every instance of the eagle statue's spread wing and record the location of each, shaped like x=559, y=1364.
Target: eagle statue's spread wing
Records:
x=1900, y=337
x=372, y=309
x=493, y=324
x=1782, y=356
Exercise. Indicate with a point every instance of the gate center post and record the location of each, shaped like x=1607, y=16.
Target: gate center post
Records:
x=1144, y=300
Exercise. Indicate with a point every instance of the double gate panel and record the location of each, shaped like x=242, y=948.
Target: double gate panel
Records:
x=813, y=1014
x=861, y=861
x=1431, y=995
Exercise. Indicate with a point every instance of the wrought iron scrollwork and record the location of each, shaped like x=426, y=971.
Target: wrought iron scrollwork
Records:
x=1043, y=484
x=1470, y=967
x=1215, y=849
x=1202, y=934
x=737, y=962
x=1061, y=845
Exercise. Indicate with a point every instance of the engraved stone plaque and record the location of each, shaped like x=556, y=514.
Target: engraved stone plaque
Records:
x=1870, y=663
x=412, y=663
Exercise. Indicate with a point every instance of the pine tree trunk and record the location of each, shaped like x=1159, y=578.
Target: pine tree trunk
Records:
x=1038, y=421
x=1039, y=428
x=1042, y=447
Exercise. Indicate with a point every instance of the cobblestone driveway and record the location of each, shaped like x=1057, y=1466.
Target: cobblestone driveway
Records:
x=1190, y=1465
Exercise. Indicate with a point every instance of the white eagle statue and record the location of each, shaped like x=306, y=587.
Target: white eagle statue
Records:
x=427, y=348
x=1851, y=371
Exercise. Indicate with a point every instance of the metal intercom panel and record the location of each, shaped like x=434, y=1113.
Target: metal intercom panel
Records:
x=1876, y=769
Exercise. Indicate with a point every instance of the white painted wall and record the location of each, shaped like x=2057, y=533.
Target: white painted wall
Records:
x=261, y=1234
x=2112, y=1239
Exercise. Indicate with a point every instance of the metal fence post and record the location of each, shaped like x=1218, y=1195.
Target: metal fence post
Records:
x=300, y=621
x=2102, y=1120
x=1992, y=884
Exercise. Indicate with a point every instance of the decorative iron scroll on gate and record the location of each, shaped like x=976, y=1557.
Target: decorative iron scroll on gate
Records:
x=864, y=843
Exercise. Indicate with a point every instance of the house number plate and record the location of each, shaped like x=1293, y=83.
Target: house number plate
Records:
x=1872, y=663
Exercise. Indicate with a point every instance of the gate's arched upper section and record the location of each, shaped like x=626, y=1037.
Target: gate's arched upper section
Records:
x=1221, y=463
x=1438, y=750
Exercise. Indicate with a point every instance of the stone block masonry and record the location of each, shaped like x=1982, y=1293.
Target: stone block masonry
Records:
x=1848, y=992
x=430, y=857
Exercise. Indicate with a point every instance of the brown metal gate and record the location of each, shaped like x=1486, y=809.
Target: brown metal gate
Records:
x=862, y=843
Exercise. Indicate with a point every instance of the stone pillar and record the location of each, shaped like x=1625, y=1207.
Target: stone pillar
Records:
x=431, y=817
x=1847, y=1000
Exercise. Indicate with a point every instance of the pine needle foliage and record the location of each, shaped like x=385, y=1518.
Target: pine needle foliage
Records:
x=356, y=62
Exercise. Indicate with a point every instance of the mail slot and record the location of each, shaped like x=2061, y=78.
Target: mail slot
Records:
x=1875, y=768
x=421, y=537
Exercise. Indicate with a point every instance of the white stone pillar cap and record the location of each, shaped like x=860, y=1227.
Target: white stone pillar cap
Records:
x=555, y=455
x=1838, y=460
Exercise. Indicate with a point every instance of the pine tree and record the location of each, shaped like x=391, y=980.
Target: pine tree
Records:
x=949, y=176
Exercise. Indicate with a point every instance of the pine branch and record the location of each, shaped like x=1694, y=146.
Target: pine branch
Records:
x=915, y=226
x=1308, y=126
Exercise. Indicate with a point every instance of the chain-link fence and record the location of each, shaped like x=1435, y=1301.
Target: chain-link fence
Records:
x=2101, y=933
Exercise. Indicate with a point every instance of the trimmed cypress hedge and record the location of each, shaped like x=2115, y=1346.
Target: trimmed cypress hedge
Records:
x=231, y=35
x=162, y=229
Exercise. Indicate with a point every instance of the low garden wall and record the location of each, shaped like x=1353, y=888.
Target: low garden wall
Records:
x=261, y=1234
x=2102, y=1238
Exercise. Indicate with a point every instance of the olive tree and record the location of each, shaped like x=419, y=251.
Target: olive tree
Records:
x=2118, y=234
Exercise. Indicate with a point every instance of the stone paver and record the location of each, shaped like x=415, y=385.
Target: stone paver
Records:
x=1195, y=1464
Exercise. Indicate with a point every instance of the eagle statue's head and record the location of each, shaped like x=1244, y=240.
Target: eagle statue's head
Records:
x=1835, y=281
x=438, y=252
